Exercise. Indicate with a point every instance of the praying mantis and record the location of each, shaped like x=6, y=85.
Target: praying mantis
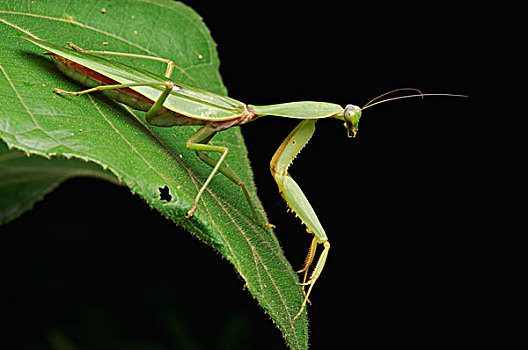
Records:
x=168, y=103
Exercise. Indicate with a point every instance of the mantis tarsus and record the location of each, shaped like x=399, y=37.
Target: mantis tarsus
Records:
x=170, y=103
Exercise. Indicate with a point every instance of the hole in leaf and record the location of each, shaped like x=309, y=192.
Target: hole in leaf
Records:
x=164, y=194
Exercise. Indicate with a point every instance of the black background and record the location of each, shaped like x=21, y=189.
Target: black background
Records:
x=399, y=202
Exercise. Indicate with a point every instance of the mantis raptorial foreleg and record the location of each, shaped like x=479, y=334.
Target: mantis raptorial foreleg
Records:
x=297, y=201
x=198, y=143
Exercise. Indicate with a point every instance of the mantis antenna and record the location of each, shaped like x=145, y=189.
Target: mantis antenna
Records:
x=420, y=94
x=391, y=92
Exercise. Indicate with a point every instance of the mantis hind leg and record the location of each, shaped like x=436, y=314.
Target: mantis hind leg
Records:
x=298, y=203
x=170, y=63
x=198, y=143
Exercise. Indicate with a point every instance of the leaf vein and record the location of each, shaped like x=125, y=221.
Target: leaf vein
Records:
x=28, y=111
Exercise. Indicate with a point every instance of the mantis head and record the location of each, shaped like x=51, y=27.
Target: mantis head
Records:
x=351, y=116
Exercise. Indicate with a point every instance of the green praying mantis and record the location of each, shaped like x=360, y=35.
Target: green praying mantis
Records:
x=169, y=103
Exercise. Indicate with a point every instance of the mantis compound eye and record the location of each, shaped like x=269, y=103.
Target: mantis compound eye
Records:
x=351, y=115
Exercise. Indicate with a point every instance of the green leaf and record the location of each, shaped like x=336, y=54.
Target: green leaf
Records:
x=35, y=120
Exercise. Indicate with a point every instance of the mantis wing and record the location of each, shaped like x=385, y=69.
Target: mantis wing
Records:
x=190, y=101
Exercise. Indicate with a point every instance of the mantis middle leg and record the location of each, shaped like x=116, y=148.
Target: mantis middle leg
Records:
x=198, y=143
x=297, y=201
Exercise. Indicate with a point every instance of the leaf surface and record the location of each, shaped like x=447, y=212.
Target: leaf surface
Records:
x=35, y=120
